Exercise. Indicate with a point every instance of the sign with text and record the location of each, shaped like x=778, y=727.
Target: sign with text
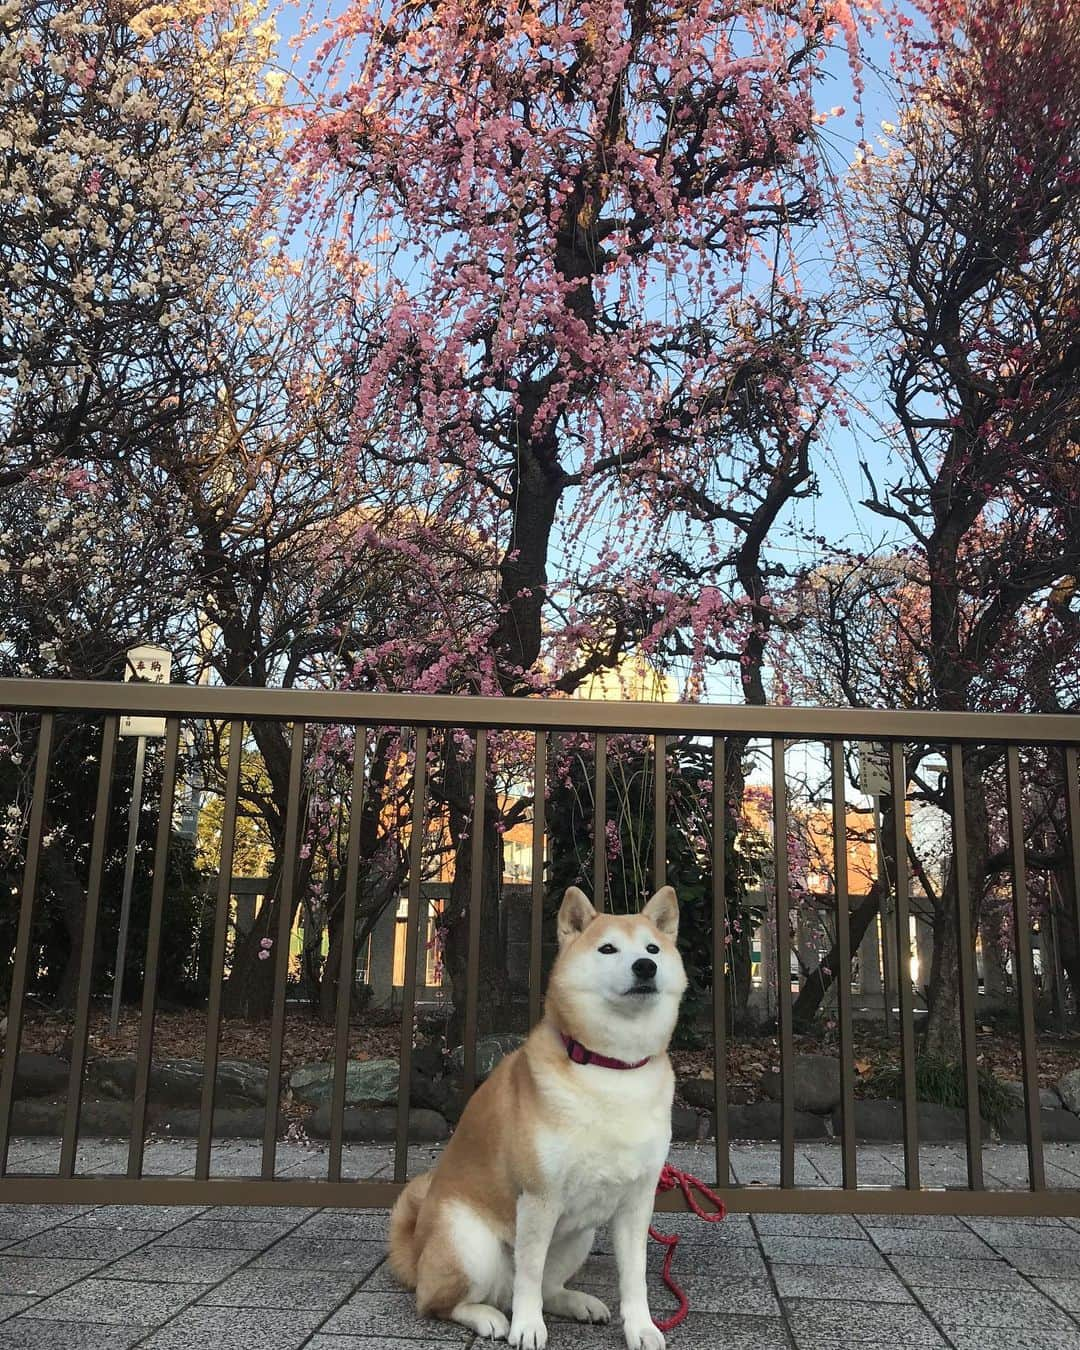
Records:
x=874, y=777
x=151, y=665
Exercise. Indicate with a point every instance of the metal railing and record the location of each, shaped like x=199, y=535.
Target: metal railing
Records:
x=833, y=730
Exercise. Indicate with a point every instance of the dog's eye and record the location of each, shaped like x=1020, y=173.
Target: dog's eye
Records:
x=652, y=947
x=607, y=949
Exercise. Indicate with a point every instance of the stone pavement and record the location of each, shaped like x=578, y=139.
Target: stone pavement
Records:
x=189, y=1278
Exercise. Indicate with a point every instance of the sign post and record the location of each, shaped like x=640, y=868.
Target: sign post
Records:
x=874, y=782
x=149, y=665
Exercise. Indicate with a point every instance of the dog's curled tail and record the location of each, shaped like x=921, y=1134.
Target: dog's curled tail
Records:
x=403, y=1250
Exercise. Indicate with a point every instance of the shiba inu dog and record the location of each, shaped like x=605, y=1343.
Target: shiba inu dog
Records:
x=567, y=1133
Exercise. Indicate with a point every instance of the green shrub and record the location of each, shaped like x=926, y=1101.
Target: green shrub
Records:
x=943, y=1083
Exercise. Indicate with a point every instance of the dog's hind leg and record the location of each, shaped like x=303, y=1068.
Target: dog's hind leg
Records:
x=464, y=1272
x=565, y=1258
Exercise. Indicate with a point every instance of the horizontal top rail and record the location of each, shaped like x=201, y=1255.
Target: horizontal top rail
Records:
x=534, y=714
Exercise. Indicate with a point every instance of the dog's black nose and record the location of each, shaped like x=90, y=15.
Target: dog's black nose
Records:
x=643, y=968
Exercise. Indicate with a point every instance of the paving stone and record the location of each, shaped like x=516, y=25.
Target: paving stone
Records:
x=763, y=1169
x=101, y=1245
x=365, y=1225
x=382, y=1280
x=161, y=1217
x=1065, y=1293
x=390, y=1315
x=314, y=1289
x=331, y=1254
x=817, y=1323
x=940, y=1222
x=959, y=1274
x=40, y=1274
x=1011, y=1338
x=1043, y=1260
x=26, y=1333
x=45, y=1216
x=362, y=1124
x=707, y=1293
x=822, y=1251
x=240, y=1329
x=11, y=1304
x=15, y=1227
x=1012, y=1233
x=927, y=1242
x=700, y=1331
x=284, y=1214
x=808, y=1225
x=175, y=1265
x=992, y=1308
x=321, y=1342
x=850, y=1282
x=734, y=1231
x=221, y=1235
x=117, y=1302
x=730, y=1263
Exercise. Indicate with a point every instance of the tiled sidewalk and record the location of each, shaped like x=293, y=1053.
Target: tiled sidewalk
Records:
x=80, y=1278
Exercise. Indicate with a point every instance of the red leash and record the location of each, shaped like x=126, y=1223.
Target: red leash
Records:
x=670, y=1178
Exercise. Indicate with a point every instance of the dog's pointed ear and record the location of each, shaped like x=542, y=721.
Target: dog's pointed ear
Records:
x=575, y=914
x=663, y=910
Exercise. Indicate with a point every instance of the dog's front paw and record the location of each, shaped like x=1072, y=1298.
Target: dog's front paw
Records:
x=578, y=1305
x=491, y=1324
x=642, y=1335
x=528, y=1333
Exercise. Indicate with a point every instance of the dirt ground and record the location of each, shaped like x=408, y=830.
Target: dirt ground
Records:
x=182, y=1035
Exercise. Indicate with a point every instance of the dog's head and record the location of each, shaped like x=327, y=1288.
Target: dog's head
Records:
x=618, y=978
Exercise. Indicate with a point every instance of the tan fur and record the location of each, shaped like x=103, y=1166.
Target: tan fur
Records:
x=403, y=1247
x=491, y=1161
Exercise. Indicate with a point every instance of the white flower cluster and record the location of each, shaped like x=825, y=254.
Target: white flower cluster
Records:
x=123, y=173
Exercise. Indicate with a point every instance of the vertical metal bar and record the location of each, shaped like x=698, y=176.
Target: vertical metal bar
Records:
x=145, y=1051
x=660, y=812
x=719, y=960
x=476, y=899
x=347, y=967
x=783, y=967
x=70, y=1140
x=281, y=950
x=1024, y=980
x=134, y=812
x=1072, y=797
x=968, y=1050
x=21, y=967
x=412, y=946
x=600, y=822
x=536, y=926
x=217, y=952
x=910, y=1105
x=843, y=975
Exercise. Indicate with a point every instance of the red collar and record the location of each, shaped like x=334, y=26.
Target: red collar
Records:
x=580, y=1055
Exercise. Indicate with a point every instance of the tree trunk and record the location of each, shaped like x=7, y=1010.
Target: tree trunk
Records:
x=995, y=976
x=58, y=873
x=943, y=1018
x=820, y=981
x=493, y=981
x=249, y=990
x=329, y=993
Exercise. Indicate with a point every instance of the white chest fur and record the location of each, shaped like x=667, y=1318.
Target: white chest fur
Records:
x=608, y=1133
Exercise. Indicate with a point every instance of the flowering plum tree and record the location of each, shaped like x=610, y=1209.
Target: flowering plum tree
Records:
x=972, y=226
x=578, y=221
x=122, y=178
